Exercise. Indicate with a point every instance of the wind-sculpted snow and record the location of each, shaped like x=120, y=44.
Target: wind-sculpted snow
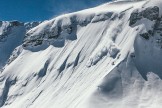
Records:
x=63, y=27
x=112, y=50
x=104, y=57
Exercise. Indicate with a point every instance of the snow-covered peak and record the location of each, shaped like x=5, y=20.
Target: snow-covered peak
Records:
x=12, y=34
x=107, y=56
x=65, y=24
x=30, y=25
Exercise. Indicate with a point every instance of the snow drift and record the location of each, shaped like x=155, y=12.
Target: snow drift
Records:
x=104, y=57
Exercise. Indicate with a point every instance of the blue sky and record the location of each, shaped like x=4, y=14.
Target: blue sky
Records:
x=39, y=10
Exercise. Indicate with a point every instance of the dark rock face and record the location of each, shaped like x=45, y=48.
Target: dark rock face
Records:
x=55, y=33
x=152, y=14
x=30, y=25
x=145, y=36
x=158, y=25
x=38, y=42
x=135, y=16
x=16, y=23
x=149, y=13
x=2, y=37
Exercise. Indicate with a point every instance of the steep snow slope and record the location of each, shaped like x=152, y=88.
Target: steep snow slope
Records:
x=104, y=57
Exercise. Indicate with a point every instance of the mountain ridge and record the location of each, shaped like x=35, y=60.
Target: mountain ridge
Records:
x=107, y=56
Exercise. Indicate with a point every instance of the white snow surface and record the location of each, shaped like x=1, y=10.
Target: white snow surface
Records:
x=88, y=59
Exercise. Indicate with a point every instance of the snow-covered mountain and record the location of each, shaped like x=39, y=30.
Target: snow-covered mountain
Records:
x=109, y=56
x=12, y=34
